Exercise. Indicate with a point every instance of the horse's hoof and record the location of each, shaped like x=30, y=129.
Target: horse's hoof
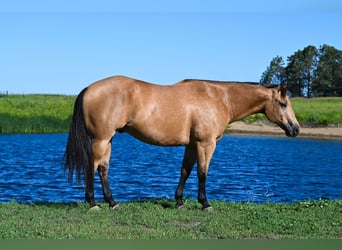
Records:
x=208, y=209
x=95, y=208
x=116, y=207
x=182, y=207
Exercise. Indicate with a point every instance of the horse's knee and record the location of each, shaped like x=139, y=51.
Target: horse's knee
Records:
x=103, y=169
x=202, y=174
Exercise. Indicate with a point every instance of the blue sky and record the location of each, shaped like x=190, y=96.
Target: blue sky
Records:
x=61, y=47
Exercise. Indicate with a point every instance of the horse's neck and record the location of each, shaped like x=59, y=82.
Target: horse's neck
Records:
x=245, y=100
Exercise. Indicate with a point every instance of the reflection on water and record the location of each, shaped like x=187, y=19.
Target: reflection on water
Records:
x=254, y=169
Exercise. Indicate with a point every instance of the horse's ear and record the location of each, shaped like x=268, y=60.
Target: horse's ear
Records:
x=283, y=90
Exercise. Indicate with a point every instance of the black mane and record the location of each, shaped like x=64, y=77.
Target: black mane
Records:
x=214, y=81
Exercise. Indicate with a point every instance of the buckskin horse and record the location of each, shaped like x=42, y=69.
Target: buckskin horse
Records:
x=191, y=113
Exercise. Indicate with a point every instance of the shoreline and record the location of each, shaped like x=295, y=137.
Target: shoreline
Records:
x=269, y=129
x=263, y=128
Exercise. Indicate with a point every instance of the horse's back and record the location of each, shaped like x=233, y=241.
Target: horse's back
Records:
x=176, y=114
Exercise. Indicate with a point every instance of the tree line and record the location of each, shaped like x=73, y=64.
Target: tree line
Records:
x=311, y=72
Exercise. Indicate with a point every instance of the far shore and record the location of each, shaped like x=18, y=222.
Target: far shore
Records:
x=269, y=129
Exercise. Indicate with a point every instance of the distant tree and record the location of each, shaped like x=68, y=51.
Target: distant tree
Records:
x=309, y=72
x=300, y=71
x=328, y=80
x=274, y=73
x=293, y=74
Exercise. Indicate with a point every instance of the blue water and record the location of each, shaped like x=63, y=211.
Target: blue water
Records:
x=255, y=169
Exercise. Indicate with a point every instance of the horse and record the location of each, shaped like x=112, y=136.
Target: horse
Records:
x=190, y=113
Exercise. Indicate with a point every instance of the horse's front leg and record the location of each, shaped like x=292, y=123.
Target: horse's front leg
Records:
x=188, y=163
x=204, y=154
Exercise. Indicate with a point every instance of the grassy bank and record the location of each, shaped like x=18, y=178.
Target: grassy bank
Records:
x=52, y=113
x=158, y=219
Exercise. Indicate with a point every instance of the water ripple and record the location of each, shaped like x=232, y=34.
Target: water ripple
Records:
x=242, y=169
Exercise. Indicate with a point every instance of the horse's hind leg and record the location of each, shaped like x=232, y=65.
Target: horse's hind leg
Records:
x=89, y=192
x=101, y=152
x=188, y=163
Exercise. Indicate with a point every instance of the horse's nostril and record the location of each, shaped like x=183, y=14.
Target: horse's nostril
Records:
x=295, y=130
x=292, y=130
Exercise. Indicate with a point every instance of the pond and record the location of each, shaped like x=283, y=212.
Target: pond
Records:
x=243, y=168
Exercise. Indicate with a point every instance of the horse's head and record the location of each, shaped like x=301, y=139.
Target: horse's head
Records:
x=279, y=111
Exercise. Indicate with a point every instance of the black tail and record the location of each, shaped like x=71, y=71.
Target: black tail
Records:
x=78, y=153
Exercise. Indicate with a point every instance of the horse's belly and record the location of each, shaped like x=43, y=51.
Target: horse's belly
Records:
x=157, y=135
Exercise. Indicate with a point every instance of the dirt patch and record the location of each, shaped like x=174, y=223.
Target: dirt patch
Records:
x=269, y=129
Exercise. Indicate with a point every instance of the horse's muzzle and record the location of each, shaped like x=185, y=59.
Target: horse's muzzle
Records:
x=292, y=130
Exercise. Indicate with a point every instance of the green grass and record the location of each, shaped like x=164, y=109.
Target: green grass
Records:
x=158, y=219
x=52, y=113
x=318, y=111
x=35, y=113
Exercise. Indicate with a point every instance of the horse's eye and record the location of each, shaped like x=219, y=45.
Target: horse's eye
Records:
x=283, y=104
